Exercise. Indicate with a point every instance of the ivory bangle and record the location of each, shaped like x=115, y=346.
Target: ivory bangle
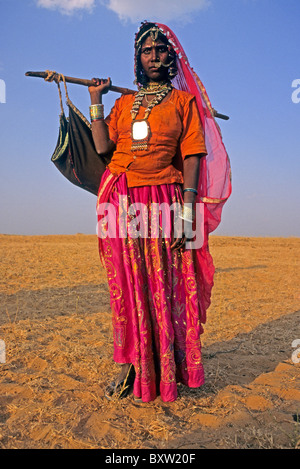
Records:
x=187, y=213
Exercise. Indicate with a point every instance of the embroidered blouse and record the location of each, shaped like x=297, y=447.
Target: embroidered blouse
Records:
x=176, y=133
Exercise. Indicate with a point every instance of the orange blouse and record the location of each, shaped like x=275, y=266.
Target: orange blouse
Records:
x=176, y=132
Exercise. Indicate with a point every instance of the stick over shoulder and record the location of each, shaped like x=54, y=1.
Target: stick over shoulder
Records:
x=85, y=82
x=77, y=81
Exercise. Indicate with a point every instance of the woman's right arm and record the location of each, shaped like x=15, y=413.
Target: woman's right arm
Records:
x=100, y=133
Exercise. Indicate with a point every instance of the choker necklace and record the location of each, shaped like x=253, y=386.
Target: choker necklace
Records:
x=140, y=129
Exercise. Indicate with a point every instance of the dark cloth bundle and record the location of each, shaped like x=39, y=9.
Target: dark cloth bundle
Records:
x=75, y=155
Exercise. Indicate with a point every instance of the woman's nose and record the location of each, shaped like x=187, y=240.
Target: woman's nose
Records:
x=154, y=54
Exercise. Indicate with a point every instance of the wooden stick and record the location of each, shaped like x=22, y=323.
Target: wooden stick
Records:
x=80, y=81
x=84, y=82
x=220, y=116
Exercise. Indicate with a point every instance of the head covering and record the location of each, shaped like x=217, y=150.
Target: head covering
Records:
x=145, y=30
x=214, y=186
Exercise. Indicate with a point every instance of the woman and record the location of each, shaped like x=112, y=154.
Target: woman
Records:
x=159, y=288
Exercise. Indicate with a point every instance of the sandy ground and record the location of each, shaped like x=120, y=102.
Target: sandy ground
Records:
x=56, y=326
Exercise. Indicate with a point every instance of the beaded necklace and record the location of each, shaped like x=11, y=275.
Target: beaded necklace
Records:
x=140, y=129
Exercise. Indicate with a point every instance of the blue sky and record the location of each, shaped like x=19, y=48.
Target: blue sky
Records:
x=245, y=51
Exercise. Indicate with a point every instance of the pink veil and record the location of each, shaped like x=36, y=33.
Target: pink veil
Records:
x=214, y=186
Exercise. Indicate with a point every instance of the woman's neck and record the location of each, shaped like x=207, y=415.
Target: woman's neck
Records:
x=153, y=85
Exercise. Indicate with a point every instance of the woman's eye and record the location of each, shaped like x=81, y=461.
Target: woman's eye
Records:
x=159, y=49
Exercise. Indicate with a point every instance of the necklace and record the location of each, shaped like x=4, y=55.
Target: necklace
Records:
x=140, y=129
x=147, y=100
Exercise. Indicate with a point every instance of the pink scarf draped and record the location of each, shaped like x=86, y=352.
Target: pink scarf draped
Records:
x=214, y=186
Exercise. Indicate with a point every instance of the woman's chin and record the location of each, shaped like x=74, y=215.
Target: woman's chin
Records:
x=156, y=75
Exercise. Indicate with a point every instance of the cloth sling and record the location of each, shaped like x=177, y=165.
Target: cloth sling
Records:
x=75, y=155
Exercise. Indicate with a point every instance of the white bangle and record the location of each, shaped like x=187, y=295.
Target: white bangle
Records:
x=186, y=219
x=187, y=213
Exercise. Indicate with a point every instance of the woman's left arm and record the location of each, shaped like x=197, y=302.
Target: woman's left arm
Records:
x=191, y=172
x=191, y=169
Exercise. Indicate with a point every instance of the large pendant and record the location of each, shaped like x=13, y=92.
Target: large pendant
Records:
x=140, y=134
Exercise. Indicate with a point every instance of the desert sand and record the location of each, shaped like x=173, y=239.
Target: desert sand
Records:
x=56, y=326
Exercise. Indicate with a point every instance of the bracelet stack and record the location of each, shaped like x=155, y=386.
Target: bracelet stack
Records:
x=97, y=112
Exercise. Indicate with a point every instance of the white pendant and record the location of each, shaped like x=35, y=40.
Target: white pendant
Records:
x=140, y=130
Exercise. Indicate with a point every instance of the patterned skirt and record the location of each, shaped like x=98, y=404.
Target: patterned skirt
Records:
x=158, y=296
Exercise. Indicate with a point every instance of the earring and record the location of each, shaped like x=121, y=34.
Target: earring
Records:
x=172, y=71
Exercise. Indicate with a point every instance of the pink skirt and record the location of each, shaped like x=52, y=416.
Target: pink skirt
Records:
x=158, y=296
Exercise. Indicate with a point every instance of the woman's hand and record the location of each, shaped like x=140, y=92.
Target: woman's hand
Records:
x=101, y=87
x=178, y=243
x=183, y=232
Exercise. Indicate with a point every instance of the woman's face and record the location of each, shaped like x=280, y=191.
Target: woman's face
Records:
x=153, y=55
